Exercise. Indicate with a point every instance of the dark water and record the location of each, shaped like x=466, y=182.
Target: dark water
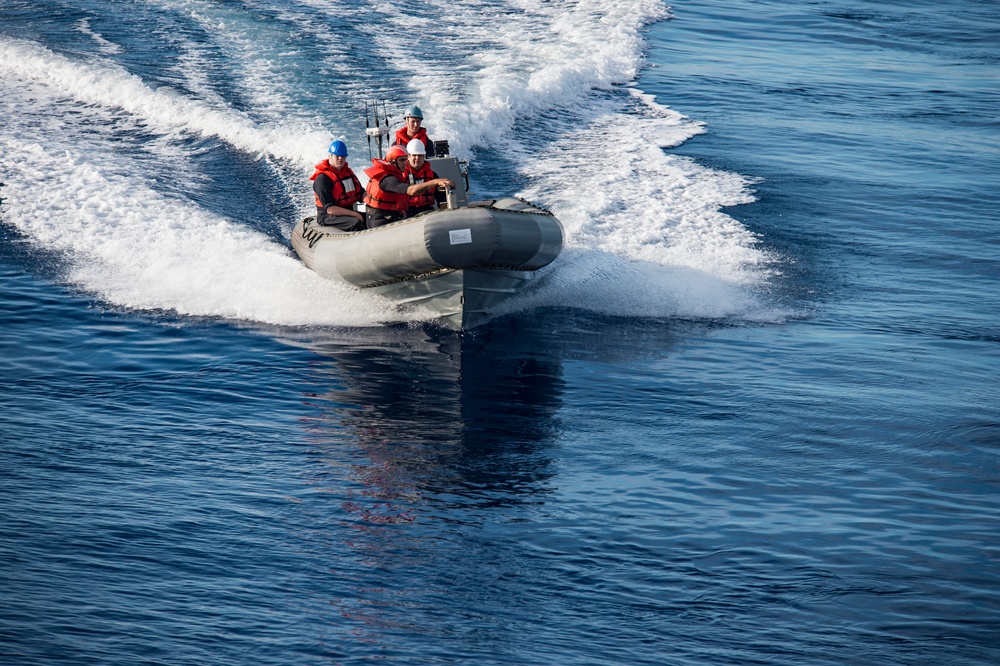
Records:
x=568, y=485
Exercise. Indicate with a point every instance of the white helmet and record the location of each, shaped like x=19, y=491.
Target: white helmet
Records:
x=416, y=147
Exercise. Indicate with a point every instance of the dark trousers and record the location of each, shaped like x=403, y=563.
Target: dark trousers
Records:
x=378, y=217
x=410, y=212
x=345, y=222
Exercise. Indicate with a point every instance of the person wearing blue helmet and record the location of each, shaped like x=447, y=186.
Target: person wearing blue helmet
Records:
x=337, y=189
x=413, y=130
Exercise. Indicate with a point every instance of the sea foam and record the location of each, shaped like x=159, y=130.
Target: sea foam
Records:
x=162, y=109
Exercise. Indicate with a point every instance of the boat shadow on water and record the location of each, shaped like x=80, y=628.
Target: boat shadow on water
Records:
x=436, y=414
x=474, y=418
x=420, y=440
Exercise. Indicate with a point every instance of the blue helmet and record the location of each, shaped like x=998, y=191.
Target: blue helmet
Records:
x=414, y=112
x=338, y=148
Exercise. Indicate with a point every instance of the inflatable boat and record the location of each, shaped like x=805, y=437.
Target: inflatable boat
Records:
x=460, y=261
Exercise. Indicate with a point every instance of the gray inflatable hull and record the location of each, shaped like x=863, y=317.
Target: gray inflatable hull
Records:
x=459, y=263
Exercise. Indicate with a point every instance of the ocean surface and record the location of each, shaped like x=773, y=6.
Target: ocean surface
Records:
x=751, y=415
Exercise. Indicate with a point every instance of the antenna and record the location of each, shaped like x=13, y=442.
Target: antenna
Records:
x=388, y=141
x=378, y=131
x=367, y=133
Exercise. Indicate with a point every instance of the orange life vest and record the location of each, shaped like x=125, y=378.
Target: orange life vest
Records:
x=346, y=186
x=402, y=138
x=425, y=198
x=375, y=196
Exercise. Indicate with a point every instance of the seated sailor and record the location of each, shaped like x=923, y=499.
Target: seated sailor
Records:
x=418, y=170
x=387, y=196
x=412, y=130
x=337, y=189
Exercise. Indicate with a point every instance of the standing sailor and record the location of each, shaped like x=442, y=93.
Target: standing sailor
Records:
x=337, y=189
x=412, y=130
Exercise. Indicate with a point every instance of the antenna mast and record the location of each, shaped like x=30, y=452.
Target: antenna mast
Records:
x=379, y=130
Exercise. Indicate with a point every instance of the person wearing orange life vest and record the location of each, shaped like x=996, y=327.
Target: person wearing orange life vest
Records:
x=337, y=189
x=418, y=170
x=412, y=130
x=387, y=196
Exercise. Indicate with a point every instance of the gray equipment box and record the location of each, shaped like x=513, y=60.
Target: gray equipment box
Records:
x=454, y=170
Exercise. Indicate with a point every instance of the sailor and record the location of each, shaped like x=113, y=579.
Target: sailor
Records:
x=337, y=189
x=418, y=170
x=412, y=130
x=387, y=196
